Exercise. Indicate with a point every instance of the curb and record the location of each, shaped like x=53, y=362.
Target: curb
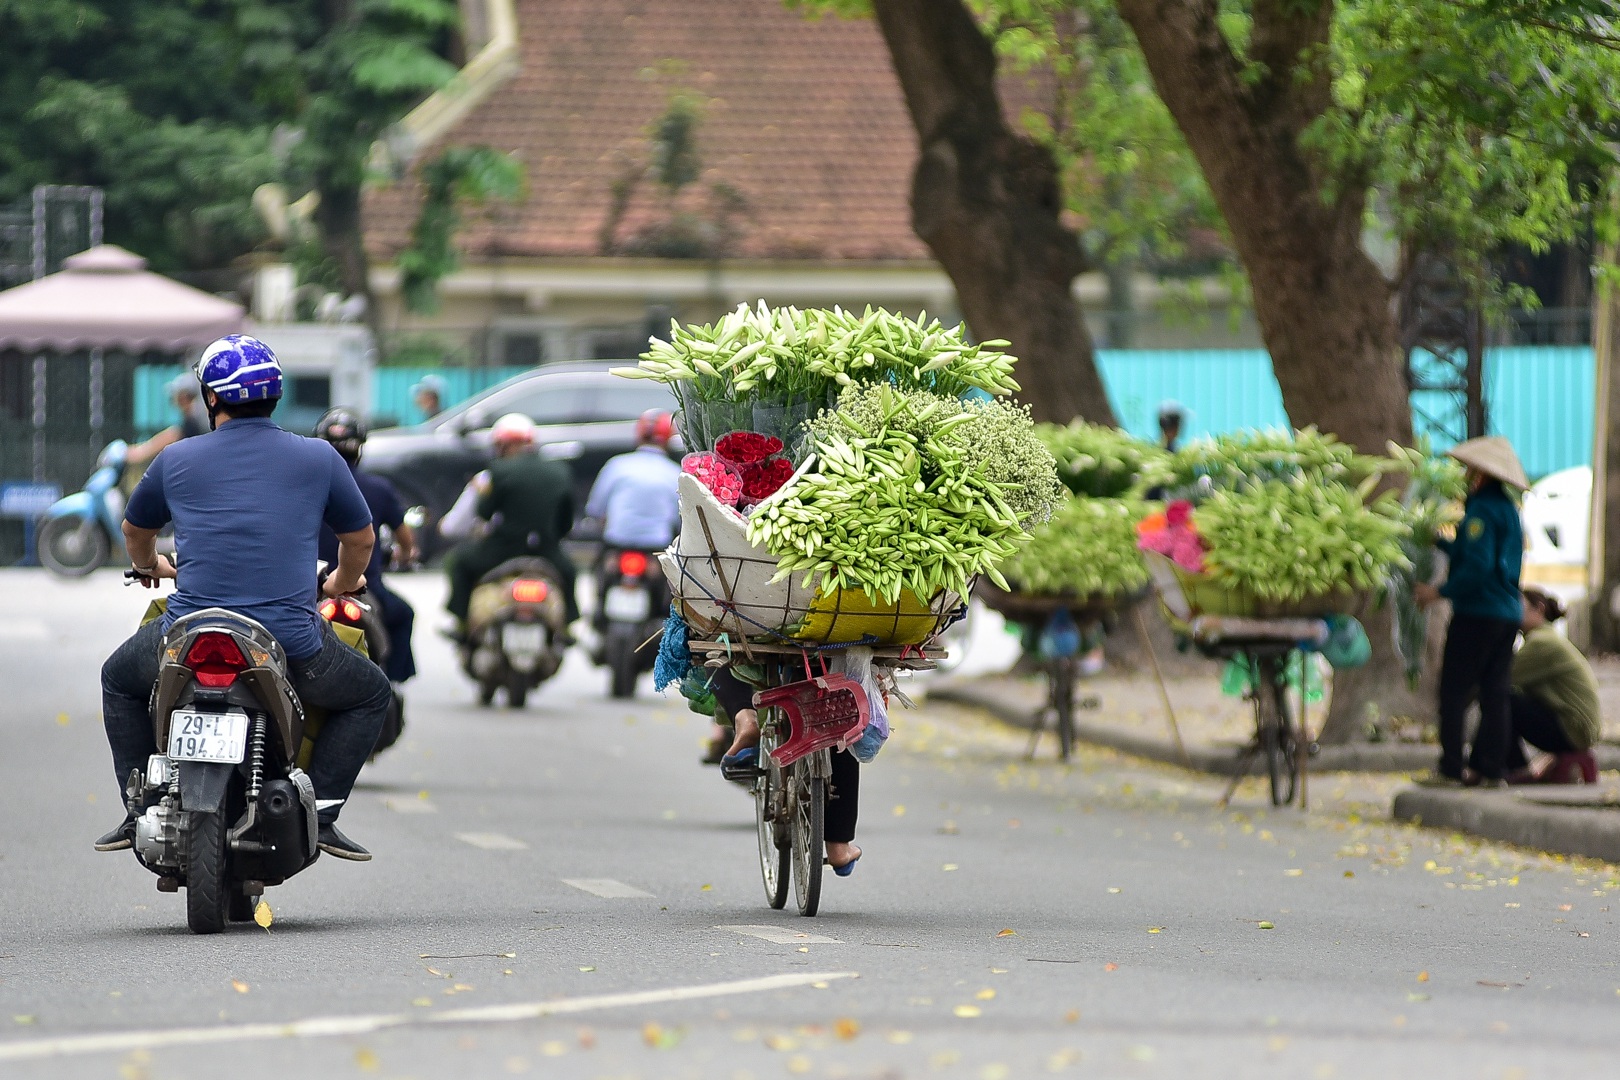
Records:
x=1370, y=757
x=1568, y=828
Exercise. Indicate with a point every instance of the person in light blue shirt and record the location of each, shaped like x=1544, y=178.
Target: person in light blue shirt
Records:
x=636, y=496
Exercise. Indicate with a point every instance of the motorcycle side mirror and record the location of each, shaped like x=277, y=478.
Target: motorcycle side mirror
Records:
x=416, y=517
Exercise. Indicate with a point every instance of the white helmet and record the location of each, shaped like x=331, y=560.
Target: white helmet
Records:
x=513, y=429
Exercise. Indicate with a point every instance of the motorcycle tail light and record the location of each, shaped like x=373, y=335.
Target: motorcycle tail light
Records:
x=328, y=610
x=215, y=659
x=632, y=563
x=529, y=591
x=351, y=611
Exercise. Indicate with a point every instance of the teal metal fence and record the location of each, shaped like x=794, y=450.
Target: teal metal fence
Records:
x=1538, y=396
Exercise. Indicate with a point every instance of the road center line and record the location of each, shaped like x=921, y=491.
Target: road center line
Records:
x=326, y=1027
x=608, y=888
x=491, y=841
x=780, y=935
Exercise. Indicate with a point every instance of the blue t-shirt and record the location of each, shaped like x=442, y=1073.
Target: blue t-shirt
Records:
x=247, y=502
x=386, y=509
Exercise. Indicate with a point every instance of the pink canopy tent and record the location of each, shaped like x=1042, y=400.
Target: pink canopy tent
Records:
x=105, y=298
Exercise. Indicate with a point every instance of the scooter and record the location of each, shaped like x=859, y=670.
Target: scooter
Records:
x=225, y=810
x=630, y=617
x=516, y=630
x=81, y=531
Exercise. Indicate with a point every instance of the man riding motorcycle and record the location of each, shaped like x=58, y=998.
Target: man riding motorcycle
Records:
x=636, y=495
x=529, y=503
x=344, y=429
x=247, y=501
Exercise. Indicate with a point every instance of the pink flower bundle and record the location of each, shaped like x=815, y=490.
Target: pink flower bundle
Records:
x=1172, y=534
x=715, y=473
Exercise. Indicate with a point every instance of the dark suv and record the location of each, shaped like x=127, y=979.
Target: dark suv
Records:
x=585, y=415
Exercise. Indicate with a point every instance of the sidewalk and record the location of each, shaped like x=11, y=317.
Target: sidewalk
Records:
x=1572, y=820
x=1129, y=717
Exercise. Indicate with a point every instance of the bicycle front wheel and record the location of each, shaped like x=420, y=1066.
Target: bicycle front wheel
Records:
x=1277, y=737
x=807, y=796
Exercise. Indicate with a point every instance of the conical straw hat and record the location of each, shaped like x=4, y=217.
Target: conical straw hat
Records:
x=1492, y=455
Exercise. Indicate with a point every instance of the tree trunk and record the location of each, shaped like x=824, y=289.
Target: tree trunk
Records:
x=986, y=201
x=337, y=216
x=1603, y=551
x=1322, y=304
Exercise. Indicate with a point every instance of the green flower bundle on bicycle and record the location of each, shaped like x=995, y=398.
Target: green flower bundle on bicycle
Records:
x=851, y=476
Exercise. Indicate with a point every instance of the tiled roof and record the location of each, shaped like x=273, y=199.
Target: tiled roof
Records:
x=802, y=117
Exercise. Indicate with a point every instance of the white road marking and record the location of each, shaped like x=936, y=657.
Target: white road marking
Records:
x=115, y=1042
x=491, y=841
x=410, y=806
x=607, y=887
x=779, y=936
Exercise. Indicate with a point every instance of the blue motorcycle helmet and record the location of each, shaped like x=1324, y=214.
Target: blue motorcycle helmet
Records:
x=240, y=369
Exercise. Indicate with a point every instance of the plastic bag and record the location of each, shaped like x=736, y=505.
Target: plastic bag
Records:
x=856, y=662
x=674, y=658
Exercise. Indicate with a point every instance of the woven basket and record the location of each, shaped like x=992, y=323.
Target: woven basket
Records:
x=1187, y=595
x=722, y=584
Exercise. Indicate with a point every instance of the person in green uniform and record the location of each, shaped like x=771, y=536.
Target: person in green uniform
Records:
x=529, y=503
x=1555, y=698
x=1486, y=608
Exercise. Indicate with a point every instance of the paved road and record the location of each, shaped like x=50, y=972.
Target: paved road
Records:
x=1009, y=919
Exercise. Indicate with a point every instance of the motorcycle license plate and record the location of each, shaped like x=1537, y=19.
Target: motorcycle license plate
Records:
x=625, y=604
x=523, y=638
x=200, y=736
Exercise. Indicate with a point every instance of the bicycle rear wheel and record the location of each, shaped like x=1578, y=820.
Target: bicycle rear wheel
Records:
x=1278, y=740
x=771, y=822
x=807, y=798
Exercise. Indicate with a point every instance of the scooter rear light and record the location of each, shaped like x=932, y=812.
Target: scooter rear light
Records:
x=215, y=659
x=530, y=591
x=328, y=610
x=632, y=563
x=351, y=611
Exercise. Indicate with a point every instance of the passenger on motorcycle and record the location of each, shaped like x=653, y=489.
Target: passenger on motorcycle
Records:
x=344, y=429
x=247, y=502
x=636, y=495
x=529, y=503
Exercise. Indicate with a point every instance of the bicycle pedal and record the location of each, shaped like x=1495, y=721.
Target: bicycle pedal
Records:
x=741, y=774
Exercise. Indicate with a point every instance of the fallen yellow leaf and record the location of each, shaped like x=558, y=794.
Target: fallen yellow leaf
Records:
x=949, y=867
x=1110, y=966
x=846, y=1028
x=553, y=1049
x=1423, y=976
x=986, y=994
x=1264, y=925
x=798, y=1065
x=422, y=1002
x=781, y=1043
x=1155, y=929
x=26, y=1019
x=1072, y=1016
x=587, y=969
x=1008, y=933
x=707, y=888
x=1294, y=873
x=901, y=1038
x=967, y=1012
x=899, y=810
x=366, y=1061
x=62, y=718
x=263, y=915
x=240, y=986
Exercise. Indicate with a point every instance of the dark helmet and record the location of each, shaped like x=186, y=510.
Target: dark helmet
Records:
x=345, y=430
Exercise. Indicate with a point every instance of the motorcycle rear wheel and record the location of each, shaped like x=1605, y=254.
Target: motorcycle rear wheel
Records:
x=621, y=662
x=208, y=895
x=72, y=547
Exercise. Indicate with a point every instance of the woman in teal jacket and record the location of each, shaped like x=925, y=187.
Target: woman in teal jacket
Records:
x=1486, y=608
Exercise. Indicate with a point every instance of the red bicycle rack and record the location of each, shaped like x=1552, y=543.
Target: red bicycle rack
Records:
x=829, y=711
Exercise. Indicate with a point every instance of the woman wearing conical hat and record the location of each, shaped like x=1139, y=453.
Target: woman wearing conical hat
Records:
x=1486, y=608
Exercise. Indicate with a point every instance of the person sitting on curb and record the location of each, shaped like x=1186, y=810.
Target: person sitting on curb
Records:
x=1555, y=699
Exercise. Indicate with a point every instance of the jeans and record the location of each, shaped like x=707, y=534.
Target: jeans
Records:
x=399, y=618
x=354, y=692
x=1535, y=723
x=1478, y=662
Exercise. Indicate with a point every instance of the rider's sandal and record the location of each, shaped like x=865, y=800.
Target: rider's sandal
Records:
x=743, y=765
x=848, y=868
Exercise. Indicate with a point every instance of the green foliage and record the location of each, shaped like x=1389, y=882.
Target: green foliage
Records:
x=460, y=176
x=1088, y=548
